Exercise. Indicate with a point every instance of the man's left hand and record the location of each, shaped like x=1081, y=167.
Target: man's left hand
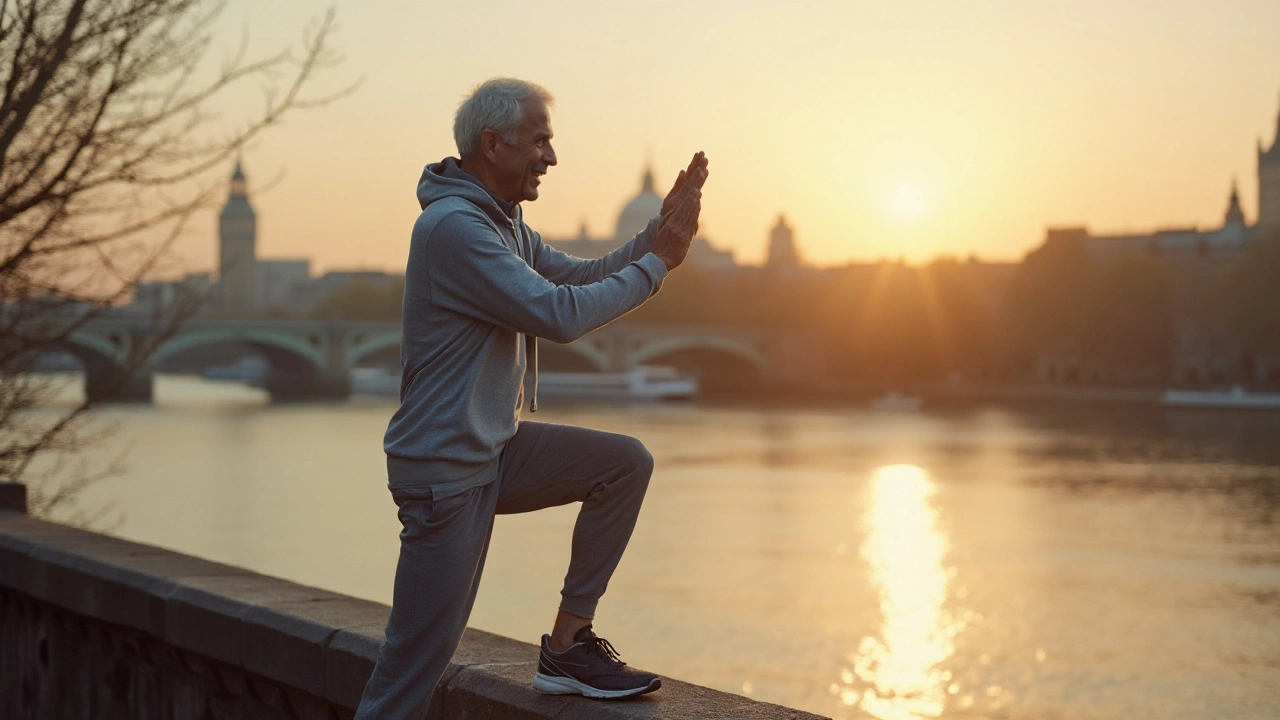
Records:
x=697, y=170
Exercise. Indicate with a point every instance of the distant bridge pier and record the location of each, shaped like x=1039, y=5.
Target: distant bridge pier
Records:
x=111, y=384
x=294, y=386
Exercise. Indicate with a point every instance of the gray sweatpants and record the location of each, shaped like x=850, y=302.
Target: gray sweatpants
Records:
x=444, y=542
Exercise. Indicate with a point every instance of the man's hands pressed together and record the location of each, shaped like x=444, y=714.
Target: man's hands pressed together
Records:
x=680, y=210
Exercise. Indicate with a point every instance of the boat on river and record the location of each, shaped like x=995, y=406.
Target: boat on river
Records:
x=897, y=402
x=1237, y=398
x=642, y=383
x=251, y=370
x=375, y=381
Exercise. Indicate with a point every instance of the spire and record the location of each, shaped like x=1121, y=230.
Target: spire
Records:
x=1272, y=155
x=238, y=200
x=238, y=180
x=782, y=253
x=646, y=185
x=1234, y=213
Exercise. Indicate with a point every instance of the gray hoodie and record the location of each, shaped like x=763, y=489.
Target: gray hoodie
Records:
x=478, y=283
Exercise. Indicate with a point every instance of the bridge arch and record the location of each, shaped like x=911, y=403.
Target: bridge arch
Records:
x=274, y=345
x=93, y=349
x=370, y=344
x=728, y=346
x=585, y=349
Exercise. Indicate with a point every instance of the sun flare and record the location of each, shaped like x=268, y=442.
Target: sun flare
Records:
x=907, y=200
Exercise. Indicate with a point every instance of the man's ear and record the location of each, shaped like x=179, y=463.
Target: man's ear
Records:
x=489, y=140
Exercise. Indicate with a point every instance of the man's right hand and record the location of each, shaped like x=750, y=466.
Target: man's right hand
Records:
x=697, y=169
x=680, y=213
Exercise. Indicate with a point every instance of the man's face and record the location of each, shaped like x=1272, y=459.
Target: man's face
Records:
x=521, y=165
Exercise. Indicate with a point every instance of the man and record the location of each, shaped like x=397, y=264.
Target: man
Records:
x=480, y=287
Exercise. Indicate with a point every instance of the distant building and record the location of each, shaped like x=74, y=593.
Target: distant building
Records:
x=1269, y=185
x=283, y=283
x=1226, y=241
x=1229, y=239
x=633, y=218
x=237, y=250
x=1203, y=353
x=782, y=254
x=151, y=298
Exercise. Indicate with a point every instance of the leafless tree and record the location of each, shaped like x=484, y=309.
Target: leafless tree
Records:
x=108, y=147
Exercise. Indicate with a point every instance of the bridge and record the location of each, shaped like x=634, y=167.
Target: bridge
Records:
x=313, y=359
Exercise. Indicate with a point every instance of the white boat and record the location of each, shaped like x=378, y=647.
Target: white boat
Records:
x=897, y=402
x=375, y=381
x=642, y=383
x=1235, y=398
x=250, y=369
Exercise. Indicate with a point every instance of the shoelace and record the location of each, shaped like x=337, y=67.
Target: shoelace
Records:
x=602, y=647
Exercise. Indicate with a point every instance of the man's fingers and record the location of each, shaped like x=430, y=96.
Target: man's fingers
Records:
x=679, y=183
x=698, y=175
x=698, y=162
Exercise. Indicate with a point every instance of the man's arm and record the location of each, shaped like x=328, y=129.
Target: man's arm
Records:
x=561, y=268
x=473, y=273
x=564, y=269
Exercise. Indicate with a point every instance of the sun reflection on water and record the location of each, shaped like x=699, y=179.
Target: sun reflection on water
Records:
x=899, y=675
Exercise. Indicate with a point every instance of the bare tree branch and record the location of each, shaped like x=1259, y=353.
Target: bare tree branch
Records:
x=107, y=143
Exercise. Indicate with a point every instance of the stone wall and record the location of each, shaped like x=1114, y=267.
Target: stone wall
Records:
x=92, y=626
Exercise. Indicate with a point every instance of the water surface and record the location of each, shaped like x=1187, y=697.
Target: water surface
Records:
x=974, y=562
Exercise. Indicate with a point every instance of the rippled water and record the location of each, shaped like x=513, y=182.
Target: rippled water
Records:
x=981, y=562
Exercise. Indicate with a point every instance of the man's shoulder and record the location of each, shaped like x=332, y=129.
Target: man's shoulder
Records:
x=444, y=207
x=451, y=216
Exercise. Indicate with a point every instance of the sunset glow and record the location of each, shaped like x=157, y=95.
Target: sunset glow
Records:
x=878, y=130
x=907, y=201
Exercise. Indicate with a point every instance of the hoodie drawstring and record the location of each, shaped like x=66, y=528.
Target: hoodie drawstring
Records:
x=531, y=356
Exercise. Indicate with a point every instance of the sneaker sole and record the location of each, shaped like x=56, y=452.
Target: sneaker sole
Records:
x=556, y=685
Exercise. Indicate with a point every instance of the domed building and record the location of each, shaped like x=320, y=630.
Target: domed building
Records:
x=633, y=218
x=637, y=213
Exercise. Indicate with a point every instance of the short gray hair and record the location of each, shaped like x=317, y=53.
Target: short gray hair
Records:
x=494, y=105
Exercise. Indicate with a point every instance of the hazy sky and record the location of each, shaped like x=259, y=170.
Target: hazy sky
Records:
x=910, y=128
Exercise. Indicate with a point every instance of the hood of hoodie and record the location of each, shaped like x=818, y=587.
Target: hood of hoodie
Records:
x=447, y=179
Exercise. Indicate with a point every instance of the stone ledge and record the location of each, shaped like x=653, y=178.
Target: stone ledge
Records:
x=319, y=645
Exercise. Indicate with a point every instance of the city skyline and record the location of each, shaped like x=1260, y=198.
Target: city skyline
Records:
x=943, y=134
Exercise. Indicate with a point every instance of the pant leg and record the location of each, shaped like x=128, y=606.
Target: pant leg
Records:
x=442, y=552
x=549, y=465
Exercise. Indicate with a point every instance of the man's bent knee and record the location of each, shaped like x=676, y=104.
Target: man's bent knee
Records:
x=638, y=457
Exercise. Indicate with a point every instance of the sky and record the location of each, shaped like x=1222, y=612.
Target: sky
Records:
x=910, y=129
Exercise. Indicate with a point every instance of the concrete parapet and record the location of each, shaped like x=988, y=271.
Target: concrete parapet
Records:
x=93, y=626
x=13, y=497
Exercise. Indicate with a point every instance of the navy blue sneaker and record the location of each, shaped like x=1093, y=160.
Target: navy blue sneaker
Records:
x=590, y=667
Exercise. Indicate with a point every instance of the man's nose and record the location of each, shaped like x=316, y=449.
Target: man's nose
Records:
x=549, y=155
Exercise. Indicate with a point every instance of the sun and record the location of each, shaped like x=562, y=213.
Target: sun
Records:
x=907, y=200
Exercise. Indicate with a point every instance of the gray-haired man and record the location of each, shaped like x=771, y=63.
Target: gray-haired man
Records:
x=479, y=288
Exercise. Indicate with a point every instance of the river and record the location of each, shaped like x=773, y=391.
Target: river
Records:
x=981, y=561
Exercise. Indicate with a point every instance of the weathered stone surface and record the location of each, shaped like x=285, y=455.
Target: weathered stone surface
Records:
x=97, y=589
x=13, y=497
x=97, y=627
x=288, y=641
x=348, y=662
x=480, y=647
x=206, y=614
